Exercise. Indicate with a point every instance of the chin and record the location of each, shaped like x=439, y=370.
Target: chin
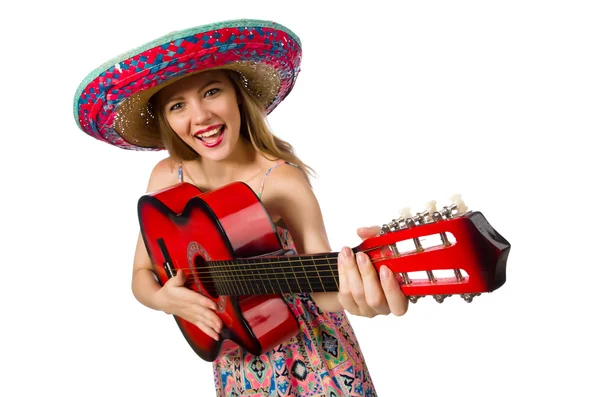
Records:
x=220, y=154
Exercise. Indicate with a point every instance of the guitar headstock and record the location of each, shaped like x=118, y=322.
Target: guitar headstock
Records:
x=441, y=252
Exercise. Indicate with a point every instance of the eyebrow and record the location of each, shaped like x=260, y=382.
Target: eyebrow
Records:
x=202, y=87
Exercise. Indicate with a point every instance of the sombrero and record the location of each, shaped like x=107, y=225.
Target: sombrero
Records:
x=111, y=103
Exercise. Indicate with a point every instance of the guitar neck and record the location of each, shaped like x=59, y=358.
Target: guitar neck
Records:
x=274, y=275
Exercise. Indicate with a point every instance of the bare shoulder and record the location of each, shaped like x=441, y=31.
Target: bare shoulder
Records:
x=287, y=190
x=164, y=174
x=288, y=196
x=286, y=179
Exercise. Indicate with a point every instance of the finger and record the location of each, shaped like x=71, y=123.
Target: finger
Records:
x=207, y=330
x=396, y=300
x=366, y=232
x=345, y=295
x=374, y=295
x=207, y=317
x=193, y=297
x=354, y=277
x=211, y=318
x=204, y=301
x=178, y=280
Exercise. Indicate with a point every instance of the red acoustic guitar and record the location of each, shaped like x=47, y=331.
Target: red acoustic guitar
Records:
x=228, y=247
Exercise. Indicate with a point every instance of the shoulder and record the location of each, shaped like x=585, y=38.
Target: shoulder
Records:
x=164, y=174
x=289, y=197
x=287, y=189
x=285, y=177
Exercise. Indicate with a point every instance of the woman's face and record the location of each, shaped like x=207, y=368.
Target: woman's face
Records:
x=203, y=111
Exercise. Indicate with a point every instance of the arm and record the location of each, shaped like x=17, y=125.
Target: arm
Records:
x=173, y=297
x=361, y=291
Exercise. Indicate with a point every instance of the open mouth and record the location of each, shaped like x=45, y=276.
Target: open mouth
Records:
x=213, y=137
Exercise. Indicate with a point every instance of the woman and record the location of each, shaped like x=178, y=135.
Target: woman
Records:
x=203, y=95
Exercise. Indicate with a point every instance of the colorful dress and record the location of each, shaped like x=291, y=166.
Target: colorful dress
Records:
x=322, y=360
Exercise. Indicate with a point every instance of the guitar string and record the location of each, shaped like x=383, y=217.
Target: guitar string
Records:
x=287, y=275
x=330, y=277
x=296, y=276
x=227, y=267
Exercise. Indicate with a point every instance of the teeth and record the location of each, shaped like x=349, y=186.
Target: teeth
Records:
x=209, y=133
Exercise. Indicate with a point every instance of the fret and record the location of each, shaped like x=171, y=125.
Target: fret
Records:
x=227, y=275
x=264, y=266
x=280, y=274
x=290, y=269
x=231, y=277
x=261, y=265
x=256, y=277
x=250, y=276
x=215, y=273
x=312, y=273
x=318, y=271
x=219, y=275
x=302, y=263
x=274, y=264
x=327, y=272
x=241, y=272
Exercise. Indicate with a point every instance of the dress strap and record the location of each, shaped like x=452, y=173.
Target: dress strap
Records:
x=280, y=162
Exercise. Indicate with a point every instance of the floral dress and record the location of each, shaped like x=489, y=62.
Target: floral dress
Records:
x=322, y=360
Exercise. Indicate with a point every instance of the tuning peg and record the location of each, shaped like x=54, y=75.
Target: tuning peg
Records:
x=457, y=200
x=430, y=206
x=469, y=297
x=405, y=213
x=440, y=298
x=414, y=298
x=431, y=211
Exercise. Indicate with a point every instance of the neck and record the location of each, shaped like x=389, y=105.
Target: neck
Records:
x=238, y=166
x=272, y=275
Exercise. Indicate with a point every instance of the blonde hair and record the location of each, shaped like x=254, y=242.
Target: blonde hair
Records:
x=253, y=128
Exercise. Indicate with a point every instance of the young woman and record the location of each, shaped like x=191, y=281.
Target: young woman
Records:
x=203, y=94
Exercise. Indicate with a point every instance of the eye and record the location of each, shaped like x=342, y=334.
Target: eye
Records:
x=211, y=92
x=176, y=106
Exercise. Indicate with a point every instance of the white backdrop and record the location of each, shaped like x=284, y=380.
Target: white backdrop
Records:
x=395, y=105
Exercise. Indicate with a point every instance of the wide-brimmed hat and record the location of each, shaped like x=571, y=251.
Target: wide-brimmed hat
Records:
x=111, y=103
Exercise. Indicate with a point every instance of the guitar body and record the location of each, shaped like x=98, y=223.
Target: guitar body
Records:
x=183, y=227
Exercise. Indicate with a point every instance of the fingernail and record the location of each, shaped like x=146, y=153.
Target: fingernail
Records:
x=360, y=258
x=347, y=252
x=343, y=253
x=384, y=272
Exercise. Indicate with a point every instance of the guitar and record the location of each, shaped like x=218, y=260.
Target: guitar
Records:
x=228, y=247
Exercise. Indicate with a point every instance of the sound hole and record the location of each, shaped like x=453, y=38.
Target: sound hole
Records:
x=203, y=279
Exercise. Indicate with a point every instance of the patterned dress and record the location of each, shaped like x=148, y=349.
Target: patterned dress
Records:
x=322, y=360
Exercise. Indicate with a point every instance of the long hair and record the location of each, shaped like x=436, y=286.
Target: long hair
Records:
x=253, y=128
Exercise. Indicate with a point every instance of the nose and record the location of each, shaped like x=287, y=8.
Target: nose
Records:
x=200, y=112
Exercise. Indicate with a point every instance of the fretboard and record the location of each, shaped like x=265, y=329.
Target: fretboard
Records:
x=273, y=275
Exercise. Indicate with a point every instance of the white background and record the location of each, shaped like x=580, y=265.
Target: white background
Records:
x=395, y=105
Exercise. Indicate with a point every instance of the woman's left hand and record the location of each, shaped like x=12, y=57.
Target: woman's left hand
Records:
x=362, y=291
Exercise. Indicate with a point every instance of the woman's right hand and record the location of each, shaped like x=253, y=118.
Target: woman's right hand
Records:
x=174, y=298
